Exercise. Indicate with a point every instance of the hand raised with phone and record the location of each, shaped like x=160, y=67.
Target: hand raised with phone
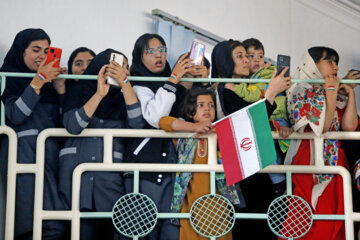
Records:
x=277, y=84
x=182, y=66
x=102, y=86
x=117, y=72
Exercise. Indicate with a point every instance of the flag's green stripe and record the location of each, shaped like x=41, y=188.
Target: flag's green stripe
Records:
x=262, y=132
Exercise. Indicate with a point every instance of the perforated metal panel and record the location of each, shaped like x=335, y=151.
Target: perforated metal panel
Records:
x=290, y=216
x=134, y=215
x=212, y=216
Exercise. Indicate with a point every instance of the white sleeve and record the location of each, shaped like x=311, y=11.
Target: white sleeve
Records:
x=158, y=105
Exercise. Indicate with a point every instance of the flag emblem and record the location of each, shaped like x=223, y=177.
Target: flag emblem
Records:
x=246, y=144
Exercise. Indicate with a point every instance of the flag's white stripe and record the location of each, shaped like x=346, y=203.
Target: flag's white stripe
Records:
x=255, y=137
x=249, y=159
x=236, y=143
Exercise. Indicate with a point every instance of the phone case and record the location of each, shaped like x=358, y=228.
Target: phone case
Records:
x=53, y=53
x=282, y=62
x=197, y=52
x=119, y=58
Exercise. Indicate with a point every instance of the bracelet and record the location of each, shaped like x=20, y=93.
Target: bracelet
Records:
x=42, y=77
x=125, y=80
x=34, y=87
x=330, y=88
x=173, y=75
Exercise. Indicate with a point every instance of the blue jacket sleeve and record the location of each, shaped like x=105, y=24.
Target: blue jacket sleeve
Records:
x=134, y=116
x=75, y=120
x=17, y=110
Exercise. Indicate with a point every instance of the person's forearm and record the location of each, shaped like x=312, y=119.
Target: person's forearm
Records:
x=270, y=95
x=92, y=104
x=180, y=125
x=330, y=109
x=350, y=119
x=129, y=94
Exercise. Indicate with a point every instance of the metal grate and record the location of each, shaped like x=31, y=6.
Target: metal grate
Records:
x=212, y=215
x=134, y=215
x=289, y=216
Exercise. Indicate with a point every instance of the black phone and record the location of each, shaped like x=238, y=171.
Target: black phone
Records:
x=282, y=62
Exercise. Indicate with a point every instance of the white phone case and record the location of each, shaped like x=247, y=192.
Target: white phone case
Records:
x=119, y=58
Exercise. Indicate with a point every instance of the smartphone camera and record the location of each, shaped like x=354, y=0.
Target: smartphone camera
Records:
x=51, y=50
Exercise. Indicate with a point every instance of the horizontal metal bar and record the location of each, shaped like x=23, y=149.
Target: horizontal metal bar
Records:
x=328, y=217
x=174, y=215
x=109, y=215
x=251, y=216
x=26, y=168
x=61, y=132
x=96, y=215
x=57, y=215
x=164, y=79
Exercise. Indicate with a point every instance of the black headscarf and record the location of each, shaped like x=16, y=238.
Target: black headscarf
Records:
x=75, y=53
x=139, y=69
x=222, y=61
x=71, y=82
x=112, y=106
x=222, y=66
x=14, y=62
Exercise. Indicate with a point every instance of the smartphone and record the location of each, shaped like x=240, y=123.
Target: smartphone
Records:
x=282, y=62
x=119, y=58
x=53, y=53
x=197, y=52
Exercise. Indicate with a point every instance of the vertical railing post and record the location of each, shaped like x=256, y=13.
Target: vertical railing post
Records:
x=318, y=151
x=11, y=183
x=108, y=148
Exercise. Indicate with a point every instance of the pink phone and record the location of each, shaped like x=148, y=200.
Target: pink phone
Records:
x=197, y=52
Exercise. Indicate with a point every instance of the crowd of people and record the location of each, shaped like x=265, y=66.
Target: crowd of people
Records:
x=46, y=101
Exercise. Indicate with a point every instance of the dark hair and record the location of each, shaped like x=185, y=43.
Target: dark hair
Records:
x=319, y=53
x=75, y=53
x=234, y=44
x=188, y=108
x=142, y=42
x=253, y=42
x=206, y=63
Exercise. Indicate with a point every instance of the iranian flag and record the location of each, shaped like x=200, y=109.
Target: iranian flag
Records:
x=245, y=142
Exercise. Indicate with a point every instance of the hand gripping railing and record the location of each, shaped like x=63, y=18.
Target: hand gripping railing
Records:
x=74, y=214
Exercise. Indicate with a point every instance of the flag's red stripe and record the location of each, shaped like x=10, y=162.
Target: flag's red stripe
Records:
x=228, y=151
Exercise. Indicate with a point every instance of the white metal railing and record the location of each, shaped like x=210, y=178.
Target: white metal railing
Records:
x=74, y=215
x=11, y=179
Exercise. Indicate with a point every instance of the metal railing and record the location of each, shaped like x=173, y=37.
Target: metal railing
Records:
x=74, y=215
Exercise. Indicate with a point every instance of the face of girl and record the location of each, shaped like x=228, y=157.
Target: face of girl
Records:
x=154, y=57
x=327, y=67
x=241, y=62
x=81, y=62
x=256, y=57
x=35, y=53
x=205, y=109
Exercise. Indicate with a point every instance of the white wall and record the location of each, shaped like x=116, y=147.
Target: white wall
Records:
x=284, y=26
x=287, y=27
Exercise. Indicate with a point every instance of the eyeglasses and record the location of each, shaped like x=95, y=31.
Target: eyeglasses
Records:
x=152, y=51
